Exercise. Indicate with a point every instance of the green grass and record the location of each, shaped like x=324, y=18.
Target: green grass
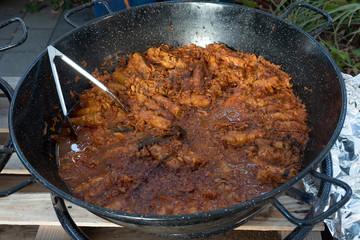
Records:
x=342, y=40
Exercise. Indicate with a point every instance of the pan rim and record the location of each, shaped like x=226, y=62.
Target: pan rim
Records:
x=167, y=220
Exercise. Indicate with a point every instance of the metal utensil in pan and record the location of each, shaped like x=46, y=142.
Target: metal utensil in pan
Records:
x=53, y=52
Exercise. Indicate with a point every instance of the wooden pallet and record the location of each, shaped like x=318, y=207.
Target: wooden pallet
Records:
x=29, y=213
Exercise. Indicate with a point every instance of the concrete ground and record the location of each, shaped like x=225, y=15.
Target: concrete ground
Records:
x=43, y=27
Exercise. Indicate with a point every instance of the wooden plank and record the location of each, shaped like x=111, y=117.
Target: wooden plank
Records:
x=314, y=235
x=52, y=233
x=4, y=111
x=275, y=221
x=7, y=181
x=4, y=123
x=15, y=166
x=4, y=103
x=57, y=232
x=12, y=81
x=18, y=232
x=36, y=209
x=4, y=137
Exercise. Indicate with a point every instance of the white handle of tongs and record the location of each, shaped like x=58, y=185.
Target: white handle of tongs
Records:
x=53, y=52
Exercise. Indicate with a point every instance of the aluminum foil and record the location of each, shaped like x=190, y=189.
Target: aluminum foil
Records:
x=345, y=223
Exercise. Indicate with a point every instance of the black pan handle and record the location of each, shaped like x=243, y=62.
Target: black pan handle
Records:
x=65, y=219
x=7, y=150
x=23, y=38
x=332, y=209
x=81, y=7
x=315, y=9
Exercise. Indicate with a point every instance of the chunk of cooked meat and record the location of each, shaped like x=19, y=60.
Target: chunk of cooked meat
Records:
x=242, y=137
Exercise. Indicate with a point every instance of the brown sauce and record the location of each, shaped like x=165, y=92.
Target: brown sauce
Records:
x=207, y=128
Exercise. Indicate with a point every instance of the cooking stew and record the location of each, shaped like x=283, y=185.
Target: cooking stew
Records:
x=207, y=128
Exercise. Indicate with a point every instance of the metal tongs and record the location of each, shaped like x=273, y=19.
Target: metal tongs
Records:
x=53, y=52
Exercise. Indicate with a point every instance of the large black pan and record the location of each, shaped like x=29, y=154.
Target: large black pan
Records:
x=316, y=79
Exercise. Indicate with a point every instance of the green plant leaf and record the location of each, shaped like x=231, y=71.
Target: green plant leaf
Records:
x=356, y=52
x=341, y=40
x=32, y=8
x=248, y=3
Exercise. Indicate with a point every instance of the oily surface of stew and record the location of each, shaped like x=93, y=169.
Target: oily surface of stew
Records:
x=207, y=128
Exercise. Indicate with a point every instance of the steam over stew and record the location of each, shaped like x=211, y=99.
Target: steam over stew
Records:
x=207, y=128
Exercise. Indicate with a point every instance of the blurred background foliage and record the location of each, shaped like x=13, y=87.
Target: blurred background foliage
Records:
x=342, y=39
